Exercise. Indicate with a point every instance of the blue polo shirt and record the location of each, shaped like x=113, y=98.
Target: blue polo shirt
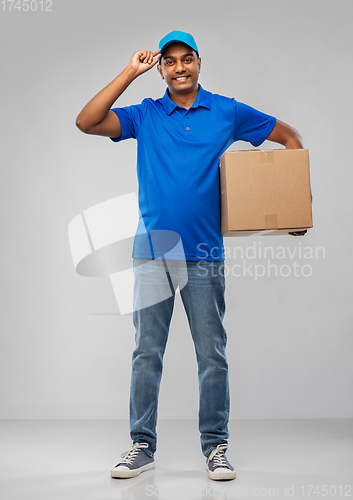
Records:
x=178, y=151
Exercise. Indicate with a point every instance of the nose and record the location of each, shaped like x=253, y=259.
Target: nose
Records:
x=179, y=67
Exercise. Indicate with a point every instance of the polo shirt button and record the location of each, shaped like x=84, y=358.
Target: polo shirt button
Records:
x=186, y=116
x=187, y=128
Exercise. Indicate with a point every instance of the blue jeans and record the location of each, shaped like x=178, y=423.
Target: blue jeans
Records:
x=204, y=303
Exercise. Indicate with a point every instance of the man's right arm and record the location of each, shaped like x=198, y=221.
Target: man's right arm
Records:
x=96, y=117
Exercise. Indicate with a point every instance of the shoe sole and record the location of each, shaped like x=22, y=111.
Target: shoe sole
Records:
x=123, y=474
x=220, y=476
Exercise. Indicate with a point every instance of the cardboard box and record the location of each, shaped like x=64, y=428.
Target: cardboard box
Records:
x=265, y=191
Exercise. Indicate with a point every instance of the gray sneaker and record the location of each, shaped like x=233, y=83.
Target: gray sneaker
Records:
x=217, y=465
x=135, y=460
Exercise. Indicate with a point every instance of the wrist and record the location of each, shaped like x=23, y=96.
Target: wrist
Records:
x=295, y=142
x=130, y=73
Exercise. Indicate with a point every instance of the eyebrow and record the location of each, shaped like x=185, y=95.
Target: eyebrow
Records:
x=184, y=55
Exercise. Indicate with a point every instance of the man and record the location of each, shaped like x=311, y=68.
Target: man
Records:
x=180, y=139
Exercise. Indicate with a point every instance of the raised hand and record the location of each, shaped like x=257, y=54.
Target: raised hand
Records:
x=143, y=60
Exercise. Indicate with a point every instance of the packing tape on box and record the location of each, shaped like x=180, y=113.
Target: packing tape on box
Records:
x=271, y=221
x=267, y=156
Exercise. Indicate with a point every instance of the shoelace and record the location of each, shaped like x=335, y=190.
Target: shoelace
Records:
x=130, y=454
x=218, y=456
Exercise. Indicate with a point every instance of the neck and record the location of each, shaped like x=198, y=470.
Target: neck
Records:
x=184, y=100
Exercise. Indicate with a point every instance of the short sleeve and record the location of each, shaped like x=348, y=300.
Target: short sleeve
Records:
x=131, y=118
x=252, y=125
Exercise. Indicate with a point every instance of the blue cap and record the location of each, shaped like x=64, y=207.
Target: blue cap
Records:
x=178, y=36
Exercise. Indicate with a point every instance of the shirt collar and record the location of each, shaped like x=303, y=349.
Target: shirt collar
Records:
x=202, y=99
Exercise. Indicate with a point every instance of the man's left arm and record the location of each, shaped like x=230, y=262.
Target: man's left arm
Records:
x=290, y=138
x=286, y=135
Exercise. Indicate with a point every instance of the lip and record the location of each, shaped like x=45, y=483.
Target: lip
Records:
x=181, y=78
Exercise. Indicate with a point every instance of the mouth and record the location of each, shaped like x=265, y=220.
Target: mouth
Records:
x=181, y=78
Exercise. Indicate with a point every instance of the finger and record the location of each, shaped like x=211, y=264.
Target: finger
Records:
x=152, y=55
x=156, y=60
x=157, y=56
x=150, y=59
x=146, y=54
x=142, y=55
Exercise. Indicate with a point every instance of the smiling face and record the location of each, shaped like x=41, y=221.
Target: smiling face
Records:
x=180, y=68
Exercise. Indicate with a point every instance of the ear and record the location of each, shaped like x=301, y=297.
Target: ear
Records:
x=159, y=68
x=199, y=63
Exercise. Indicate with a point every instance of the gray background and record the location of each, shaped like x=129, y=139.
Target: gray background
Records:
x=65, y=350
